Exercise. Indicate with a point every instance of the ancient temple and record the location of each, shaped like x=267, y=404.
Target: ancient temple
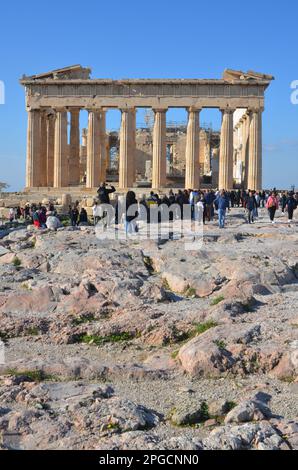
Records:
x=56, y=98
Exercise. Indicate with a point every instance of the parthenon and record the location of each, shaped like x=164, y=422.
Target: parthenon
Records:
x=53, y=153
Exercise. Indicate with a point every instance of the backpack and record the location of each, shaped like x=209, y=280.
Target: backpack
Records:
x=271, y=202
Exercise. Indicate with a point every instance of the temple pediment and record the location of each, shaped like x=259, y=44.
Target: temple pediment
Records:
x=230, y=75
x=67, y=73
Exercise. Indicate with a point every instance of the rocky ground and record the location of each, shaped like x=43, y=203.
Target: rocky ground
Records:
x=141, y=344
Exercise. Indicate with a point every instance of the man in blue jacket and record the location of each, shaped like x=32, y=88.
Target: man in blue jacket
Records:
x=222, y=203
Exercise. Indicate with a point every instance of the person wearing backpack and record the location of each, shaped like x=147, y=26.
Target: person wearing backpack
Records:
x=251, y=207
x=272, y=205
x=291, y=205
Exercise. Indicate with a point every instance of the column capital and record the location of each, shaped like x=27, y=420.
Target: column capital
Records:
x=60, y=109
x=74, y=110
x=194, y=109
x=93, y=110
x=227, y=110
x=257, y=109
x=159, y=110
x=127, y=109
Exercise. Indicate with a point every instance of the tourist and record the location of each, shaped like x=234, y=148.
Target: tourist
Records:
x=27, y=211
x=74, y=216
x=194, y=198
x=272, y=205
x=35, y=218
x=52, y=223
x=209, y=200
x=172, y=201
x=251, y=207
x=12, y=214
x=263, y=199
x=258, y=199
x=201, y=210
x=291, y=205
x=172, y=198
x=222, y=204
x=131, y=213
x=18, y=213
x=83, y=217
x=104, y=193
x=96, y=212
x=180, y=201
x=144, y=209
x=232, y=198
x=238, y=198
x=283, y=202
x=42, y=215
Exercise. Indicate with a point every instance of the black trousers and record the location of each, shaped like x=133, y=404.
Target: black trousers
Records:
x=290, y=213
x=272, y=211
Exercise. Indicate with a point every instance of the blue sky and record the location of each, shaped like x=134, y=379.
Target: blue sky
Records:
x=163, y=39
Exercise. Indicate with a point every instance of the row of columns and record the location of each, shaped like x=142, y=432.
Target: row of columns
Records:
x=51, y=162
x=251, y=149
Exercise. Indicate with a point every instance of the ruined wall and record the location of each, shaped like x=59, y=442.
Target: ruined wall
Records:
x=176, y=145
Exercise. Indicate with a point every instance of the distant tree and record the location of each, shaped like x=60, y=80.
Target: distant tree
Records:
x=3, y=186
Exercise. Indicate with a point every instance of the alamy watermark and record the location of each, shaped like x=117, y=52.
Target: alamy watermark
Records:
x=2, y=92
x=294, y=94
x=158, y=222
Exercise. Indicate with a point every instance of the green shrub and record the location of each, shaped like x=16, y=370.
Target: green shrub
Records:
x=35, y=375
x=220, y=344
x=217, y=300
x=83, y=319
x=202, y=327
x=32, y=331
x=16, y=262
x=100, y=340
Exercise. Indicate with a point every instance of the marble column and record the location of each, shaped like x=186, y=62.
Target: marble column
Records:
x=50, y=149
x=43, y=180
x=74, y=148
x=192, y=152
x=96, y=148
x=159, y=149
x=60, y=150
x=108, y=157
x=103, y=145
x=225, y=179
x=127, y=148
x=245, y=144
x=33, y=149
x=255, y=151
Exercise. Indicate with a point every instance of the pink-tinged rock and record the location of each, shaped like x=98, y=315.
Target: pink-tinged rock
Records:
x=288, y=366
x=235, y=291
x=203, y=286
x=201, y=356
x=37, y=300
x=7, y=259
x=176, y=282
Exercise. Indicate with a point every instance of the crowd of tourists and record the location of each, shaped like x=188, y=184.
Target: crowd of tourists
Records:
x=202, y=205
